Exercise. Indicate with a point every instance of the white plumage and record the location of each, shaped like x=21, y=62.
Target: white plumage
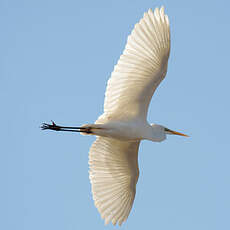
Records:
x=140, y=69
x=113, y=175
x=113, y=157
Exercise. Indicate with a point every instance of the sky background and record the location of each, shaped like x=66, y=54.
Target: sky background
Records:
x=55, y=60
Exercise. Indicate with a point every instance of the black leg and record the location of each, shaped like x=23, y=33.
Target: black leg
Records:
x=55, y=127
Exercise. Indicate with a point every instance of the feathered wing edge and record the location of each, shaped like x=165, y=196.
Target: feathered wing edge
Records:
x=113, y=175
x=140, y=69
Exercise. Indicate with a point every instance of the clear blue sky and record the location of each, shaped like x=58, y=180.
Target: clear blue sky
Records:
x=55, y=59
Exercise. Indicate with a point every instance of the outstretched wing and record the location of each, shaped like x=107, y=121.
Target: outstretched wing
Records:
x=113, y=175
x=141, y=68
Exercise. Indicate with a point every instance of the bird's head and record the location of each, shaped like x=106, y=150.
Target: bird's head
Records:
x=159, y=132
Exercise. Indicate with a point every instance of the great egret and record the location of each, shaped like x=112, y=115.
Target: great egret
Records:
x=113, y=157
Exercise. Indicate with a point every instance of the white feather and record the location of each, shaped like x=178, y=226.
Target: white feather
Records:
x=114, y=163
x=113, y=175
x=140, y=69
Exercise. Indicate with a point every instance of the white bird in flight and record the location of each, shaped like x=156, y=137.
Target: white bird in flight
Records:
x=113, y=157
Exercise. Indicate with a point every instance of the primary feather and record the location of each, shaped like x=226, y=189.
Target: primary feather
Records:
x=113, y=175
x=140, y=69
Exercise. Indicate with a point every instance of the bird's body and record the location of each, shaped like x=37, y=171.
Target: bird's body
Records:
x=113, y=157
x=127, y=130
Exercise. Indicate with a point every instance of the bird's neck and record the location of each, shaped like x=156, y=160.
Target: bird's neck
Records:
x=157, y=133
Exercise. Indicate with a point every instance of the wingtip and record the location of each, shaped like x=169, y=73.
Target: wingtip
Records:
x=106, y=222
x=150, y=11
x=162, y=10
x=157, y=13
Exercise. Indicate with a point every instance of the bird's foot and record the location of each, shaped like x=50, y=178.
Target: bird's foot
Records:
x=53, y=126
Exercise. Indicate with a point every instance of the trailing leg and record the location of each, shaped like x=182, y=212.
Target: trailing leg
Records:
x=53, y=126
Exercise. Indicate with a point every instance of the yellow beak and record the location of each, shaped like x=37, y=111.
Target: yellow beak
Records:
x=175, y=133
